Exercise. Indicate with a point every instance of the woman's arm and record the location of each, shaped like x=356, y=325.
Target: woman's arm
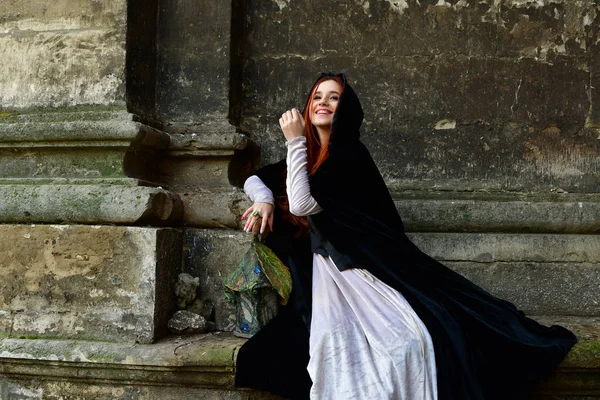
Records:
x=257, y=191
x=297, y=186
x=263, y=206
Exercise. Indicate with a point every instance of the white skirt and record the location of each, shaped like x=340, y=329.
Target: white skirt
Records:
x=366, y=341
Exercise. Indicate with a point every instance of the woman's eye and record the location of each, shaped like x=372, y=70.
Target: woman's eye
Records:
x=317, y=98
x=334, y=98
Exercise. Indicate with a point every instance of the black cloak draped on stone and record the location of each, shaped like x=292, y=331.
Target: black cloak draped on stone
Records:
x=485, y=348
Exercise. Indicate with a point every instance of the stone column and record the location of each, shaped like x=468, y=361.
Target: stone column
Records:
x=182, y=84
x=64, y=133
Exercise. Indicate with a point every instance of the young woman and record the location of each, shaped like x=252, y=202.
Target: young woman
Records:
x=382, y=320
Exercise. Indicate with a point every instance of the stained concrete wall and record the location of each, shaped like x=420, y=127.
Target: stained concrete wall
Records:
x=458, y=95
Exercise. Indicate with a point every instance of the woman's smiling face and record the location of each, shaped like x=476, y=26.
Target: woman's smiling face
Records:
x=324, y=103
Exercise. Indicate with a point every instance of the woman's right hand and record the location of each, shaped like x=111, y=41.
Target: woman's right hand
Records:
x=292, y=124
x=265, y=211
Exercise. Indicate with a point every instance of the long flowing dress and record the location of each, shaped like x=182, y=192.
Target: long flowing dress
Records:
x=366, y=342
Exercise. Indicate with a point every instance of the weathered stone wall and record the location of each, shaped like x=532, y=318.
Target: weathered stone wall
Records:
x=61, y=53
x=64, y=133
x=178, y=62
x=64, y=129
x=62, y=90
x=87, y=282
x=458, y=95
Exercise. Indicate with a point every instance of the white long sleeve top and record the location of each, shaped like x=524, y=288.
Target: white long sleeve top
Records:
x=257, y=191
x=297, y=186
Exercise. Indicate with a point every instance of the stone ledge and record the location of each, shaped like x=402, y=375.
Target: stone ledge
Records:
x=227, y=142
x=509, y=247
x=214, y=208
x=482, y=212
x=88, y=204
x=195, y=367
x=549, y=288
x=61, y=128
x=205, y=360
x=208, y=361
x=499, y=212
x=578, y=376
x=543, y=274
x=64, y=160
x=130, y=182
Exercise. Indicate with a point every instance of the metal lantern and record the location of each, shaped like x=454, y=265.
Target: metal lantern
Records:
x=257, y=286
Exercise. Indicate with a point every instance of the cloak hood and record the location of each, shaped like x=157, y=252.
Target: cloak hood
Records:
x=348, y=116
x=348, y=183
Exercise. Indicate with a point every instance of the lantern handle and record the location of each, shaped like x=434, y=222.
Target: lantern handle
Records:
x=256, y=230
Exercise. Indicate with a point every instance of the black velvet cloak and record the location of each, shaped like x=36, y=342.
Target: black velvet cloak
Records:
x=485, y=348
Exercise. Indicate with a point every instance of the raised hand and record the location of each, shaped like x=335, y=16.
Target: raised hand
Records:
x=292, y=124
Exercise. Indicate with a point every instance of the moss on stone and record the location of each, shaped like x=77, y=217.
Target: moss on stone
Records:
x=105, y=358
x=62, y=113
x=219, y=356
x=585, y=354
x=68, y=181
x=67, y=352
x=8, y=117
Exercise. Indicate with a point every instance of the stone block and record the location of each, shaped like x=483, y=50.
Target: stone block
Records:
x=87, y=282
x=141, y=62
x=193, y=73
x=214, y=208
x=543, y=274
x=188, y=79
x=204, y=159
x=540, y=288
x=197, y=172
x=88, y=204
x=499, y=212
x=499, y=247
x=212, y=255
x=57, y=128
x=511, y=131
x=63, y=162
x=89, y=144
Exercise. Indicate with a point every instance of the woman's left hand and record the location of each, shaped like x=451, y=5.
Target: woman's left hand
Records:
x=292, y=124
x=262, y=210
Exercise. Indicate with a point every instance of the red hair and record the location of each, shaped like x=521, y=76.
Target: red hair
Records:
x=316, y=153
